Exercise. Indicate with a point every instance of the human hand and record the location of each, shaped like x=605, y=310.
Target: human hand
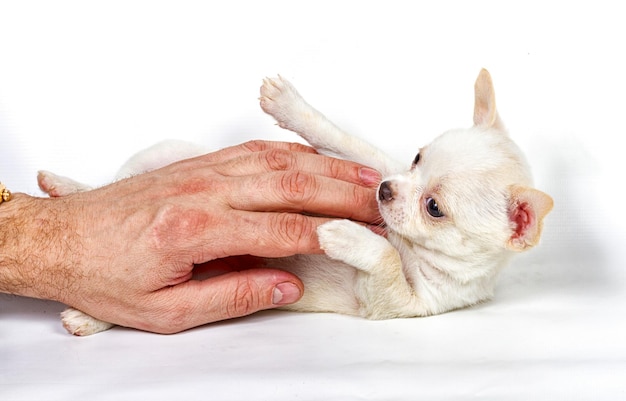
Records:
x=125, y=253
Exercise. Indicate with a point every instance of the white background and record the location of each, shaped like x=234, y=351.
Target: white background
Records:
x=84, y=85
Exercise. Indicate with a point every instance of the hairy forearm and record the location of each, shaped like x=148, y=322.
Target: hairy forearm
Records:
x=33, y=248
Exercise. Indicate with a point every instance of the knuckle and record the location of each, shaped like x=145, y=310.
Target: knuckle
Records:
x=298, y=147
x=336, y=167
x=173, y=223
x=256, y=145
x=244, y=300
x=294, y=186
x=294, y=229
x=279, y=159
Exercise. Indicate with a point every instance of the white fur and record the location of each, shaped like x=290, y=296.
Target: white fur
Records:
x=427, y=264
x=81, y=324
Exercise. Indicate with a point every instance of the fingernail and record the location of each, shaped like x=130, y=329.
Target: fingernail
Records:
x=285, y=294
x=369, y=176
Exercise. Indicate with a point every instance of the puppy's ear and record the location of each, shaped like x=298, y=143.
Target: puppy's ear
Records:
x=485, y=112
x=527, y=209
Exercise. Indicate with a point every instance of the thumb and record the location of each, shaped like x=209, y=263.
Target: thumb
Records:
x=231, y=295
x=244, y=292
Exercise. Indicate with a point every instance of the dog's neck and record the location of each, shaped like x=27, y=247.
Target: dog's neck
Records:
x=434, y=275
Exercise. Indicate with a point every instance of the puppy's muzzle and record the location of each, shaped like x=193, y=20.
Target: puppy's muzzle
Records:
x=385, y=193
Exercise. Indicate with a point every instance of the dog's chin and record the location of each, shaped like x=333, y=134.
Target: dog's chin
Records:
x=393, y=222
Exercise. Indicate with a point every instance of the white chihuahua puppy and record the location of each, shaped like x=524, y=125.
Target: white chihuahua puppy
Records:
x=465, y=205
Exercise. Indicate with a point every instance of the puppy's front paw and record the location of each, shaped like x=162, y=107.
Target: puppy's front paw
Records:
x=282, y=101
x=343, y=240
x=337, y=235
x=81, y=324
x=355, y=245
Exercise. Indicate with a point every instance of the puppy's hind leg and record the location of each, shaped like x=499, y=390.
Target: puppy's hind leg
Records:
x=56, y=185
x=81, y=324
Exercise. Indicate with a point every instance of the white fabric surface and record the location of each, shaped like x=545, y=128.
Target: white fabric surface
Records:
x=85, y=85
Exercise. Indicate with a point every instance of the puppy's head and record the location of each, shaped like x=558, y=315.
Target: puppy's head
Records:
x=468, y=194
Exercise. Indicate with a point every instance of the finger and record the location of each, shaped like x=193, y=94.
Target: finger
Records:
x=199, y=236
x=245, y=233
x=281, y=234
x=257, y=234
x=294, y=191
x=273, y=235
x=231, y=295
x=282, y=159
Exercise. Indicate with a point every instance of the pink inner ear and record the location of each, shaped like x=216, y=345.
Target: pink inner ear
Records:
x=522, y=216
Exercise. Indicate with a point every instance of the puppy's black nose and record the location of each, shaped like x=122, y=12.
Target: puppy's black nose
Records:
x=385, y=194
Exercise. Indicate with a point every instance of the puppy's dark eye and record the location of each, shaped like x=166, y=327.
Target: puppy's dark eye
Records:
x=416, y=160
x=433, y=208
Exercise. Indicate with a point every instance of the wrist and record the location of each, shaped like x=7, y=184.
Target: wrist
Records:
x=33, y=247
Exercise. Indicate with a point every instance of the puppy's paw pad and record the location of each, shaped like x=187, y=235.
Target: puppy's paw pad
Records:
x=81, y=324
x=280, y=100
x=277, y=89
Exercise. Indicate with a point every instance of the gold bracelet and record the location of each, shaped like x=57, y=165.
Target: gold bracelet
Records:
x=5, y=194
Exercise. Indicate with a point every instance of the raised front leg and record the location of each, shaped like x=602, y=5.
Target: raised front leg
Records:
x=282, y=101
x=381, y=287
